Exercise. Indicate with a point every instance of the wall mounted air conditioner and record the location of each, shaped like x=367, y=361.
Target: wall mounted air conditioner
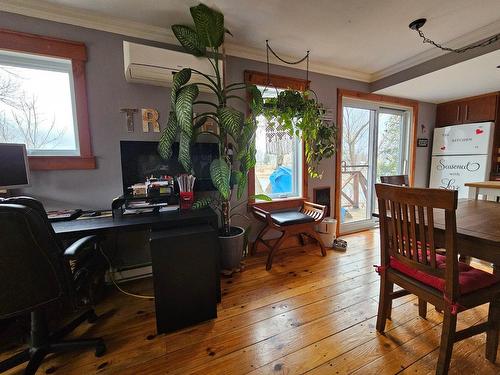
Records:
x=156, y=66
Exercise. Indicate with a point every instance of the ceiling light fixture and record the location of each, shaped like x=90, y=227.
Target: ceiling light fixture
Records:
x=418, y=24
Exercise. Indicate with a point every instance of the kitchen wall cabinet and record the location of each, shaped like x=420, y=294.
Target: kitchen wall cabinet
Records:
x=476, y=109
x=480, y=108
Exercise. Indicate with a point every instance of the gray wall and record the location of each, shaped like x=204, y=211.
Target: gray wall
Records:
x=426, y=122
x=108, y=92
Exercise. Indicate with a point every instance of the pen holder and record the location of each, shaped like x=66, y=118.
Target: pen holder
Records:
x=186, y=200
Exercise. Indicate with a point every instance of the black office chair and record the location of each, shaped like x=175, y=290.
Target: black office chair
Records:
x=36, y=276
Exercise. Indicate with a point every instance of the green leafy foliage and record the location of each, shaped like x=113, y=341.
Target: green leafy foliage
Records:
x=256, y=101
x=202, y=203
x=231, y=121
x=301, y=115
x=242, y=184
x=209, y=25
x=189, y=39
x=220, y=173
x=180, y=78
x=184, y=108
x=168, y=137
x=185, y=152
x=261, y=197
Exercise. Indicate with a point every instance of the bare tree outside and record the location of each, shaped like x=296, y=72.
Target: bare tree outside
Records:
x=21, y=118
x=355, y=135
x=355, y=156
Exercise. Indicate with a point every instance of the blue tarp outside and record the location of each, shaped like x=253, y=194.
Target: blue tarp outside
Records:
x=281, y=180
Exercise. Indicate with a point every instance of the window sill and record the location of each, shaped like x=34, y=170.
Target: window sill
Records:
x=279, y=203
x=48, y=163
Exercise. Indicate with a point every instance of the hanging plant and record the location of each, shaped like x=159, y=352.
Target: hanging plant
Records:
x=300, y=114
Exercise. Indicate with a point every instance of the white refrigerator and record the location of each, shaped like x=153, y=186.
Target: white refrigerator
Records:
x=460, y=154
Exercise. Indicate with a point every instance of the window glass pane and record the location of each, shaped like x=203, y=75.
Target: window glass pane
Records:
x=390, y=144
x=278, y=159
x=37, y=104
x=355, y=164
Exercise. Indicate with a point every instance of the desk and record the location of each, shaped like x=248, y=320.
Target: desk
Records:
x=163, y=220
x=66, y=230
x=478, y=230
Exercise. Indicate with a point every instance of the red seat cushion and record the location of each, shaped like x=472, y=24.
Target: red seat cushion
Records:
x=469, y=278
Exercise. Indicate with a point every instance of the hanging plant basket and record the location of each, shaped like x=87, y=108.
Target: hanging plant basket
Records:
x=302, y=115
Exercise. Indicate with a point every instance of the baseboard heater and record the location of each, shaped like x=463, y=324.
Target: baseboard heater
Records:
x=129, y=273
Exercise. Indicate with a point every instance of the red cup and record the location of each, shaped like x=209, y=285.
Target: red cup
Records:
x=186, y=200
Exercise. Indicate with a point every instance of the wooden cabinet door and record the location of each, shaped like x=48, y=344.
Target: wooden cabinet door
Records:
x=448, y=114
x=479, y=109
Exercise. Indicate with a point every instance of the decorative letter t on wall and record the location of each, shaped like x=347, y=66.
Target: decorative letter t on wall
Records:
x=130, y=118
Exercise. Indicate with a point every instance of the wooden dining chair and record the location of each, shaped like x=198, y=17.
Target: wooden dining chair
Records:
x=407, y=222
x=403, y=180
x=297, y=222
x=399, y=179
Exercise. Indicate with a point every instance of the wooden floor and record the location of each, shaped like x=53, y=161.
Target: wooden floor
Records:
x=308, y=314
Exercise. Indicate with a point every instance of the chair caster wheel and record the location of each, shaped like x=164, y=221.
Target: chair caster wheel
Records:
x=100, y=350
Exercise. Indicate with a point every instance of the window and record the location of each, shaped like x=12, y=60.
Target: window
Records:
x=43, y=100
x=279, y=171
x=37, y=104
x=278, y=168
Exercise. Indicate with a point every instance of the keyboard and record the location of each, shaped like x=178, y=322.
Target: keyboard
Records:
x=63, y=215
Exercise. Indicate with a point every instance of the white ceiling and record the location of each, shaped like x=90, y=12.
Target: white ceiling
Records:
x=472, y=77
x=362, y=39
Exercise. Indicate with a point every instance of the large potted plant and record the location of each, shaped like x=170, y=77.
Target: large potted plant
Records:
x=230, y=169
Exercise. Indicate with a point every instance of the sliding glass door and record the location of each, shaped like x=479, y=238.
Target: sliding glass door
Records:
x=375, y=142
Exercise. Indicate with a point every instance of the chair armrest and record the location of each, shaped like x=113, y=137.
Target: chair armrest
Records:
x=261, y=214
x=316, y=211
x=75, y=249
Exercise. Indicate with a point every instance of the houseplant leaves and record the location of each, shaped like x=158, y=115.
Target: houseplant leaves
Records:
x=180, y=79
x=168, y=137
x=209, y=25
x=231, y=121
x=220, y=173
x=189, y=39
x=184, y=108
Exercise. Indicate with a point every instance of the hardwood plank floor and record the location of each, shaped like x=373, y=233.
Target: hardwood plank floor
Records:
x=308, y=314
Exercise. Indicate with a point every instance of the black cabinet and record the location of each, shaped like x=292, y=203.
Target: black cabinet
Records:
x=186, y=276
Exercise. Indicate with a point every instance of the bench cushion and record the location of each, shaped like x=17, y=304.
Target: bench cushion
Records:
x=290, y=218
x=469, y=278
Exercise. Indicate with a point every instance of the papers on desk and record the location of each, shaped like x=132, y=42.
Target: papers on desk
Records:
x=135, y=211
x=173, y=207
x=150, y=209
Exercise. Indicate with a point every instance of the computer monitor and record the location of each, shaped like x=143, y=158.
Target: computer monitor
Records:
x=14, y=169
x=140, y=159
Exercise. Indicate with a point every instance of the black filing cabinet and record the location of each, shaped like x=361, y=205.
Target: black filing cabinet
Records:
x=186, y=276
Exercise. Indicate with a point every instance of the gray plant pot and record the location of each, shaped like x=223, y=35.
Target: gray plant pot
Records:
x=232, y=249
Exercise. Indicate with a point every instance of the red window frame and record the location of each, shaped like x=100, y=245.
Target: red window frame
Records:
x=77, y=52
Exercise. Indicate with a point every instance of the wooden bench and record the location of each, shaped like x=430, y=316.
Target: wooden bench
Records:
x=301, y=221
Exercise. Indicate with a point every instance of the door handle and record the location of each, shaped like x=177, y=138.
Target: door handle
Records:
x=466, y=112
x=458, y=113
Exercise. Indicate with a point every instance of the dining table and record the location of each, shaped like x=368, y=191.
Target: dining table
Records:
x=478, y=230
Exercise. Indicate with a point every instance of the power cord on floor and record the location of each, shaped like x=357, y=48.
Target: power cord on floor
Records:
x=112, y=278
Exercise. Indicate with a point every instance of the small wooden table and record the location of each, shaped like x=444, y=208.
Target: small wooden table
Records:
x=489, y=188
x=478, y=230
